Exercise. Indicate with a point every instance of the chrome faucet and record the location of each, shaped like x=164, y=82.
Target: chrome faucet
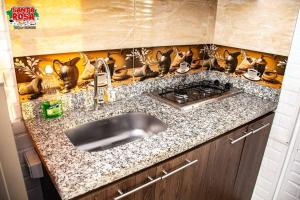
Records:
x=99, y=63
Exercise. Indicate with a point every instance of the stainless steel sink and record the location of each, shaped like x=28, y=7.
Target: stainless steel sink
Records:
x=104, y=134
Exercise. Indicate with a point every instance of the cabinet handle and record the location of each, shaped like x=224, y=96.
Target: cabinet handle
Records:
x=122, y=195
x=189, y=163
x=232, y=141
x=247, y=134
x=263, y=126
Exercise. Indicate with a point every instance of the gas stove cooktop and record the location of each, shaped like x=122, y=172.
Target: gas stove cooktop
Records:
x=188, y=96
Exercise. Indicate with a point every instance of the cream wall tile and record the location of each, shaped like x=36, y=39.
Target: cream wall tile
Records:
x=174, y=22
x=82, y=25
x=265, y=26
x=75, y=25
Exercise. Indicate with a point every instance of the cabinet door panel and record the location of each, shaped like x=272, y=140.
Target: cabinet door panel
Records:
x=126, y=185
x=170, y=188
x=193, y=178
x=148, y=193
x=223, y=165
x=186, y=183
x=110, y=192
x=251, y=159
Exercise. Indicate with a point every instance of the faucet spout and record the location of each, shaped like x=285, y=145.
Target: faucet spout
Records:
x=99, y=63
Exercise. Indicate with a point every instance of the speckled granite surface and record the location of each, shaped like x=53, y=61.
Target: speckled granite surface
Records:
x=77, y=172
x=84, y=99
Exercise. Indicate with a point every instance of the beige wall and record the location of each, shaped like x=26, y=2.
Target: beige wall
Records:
x=74, y=25
x=83, y=25
x=261, y=25
x=174, y=22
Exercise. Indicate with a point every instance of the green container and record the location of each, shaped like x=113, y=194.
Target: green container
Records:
x=52, y=109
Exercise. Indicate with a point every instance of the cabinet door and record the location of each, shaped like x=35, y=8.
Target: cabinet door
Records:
x=223, y=164
x=252, y=155
x=183, y=177
x=140, y=186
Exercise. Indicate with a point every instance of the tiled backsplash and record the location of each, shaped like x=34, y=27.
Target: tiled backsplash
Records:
x=40, y=75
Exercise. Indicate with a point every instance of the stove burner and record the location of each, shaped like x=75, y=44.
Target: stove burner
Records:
x=187, y=95
x=195, y=91
x=181, y=97
x=181, y=100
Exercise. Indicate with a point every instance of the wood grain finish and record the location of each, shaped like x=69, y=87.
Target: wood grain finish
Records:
x=193, y=177
x=223, y=165
x=129, y=183
x=147, y=193
x=252, y=155
x=171, y=187
x=187, y=183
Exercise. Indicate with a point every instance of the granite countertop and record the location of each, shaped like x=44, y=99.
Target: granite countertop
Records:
x=76, y=172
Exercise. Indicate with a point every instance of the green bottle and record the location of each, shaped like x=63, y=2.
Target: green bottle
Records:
x=52, y=109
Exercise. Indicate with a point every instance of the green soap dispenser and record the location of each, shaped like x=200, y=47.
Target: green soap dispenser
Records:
x=52, y=107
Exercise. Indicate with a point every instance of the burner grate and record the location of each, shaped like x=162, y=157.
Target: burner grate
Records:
x=187, y=96
x=194, y=91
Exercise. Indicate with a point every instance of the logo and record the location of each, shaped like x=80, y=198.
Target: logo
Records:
x=23, y=17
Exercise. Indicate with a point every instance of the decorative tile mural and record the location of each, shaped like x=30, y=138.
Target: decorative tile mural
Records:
x=44, y=75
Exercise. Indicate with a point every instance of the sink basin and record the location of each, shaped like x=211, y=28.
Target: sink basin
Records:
x=108, y=133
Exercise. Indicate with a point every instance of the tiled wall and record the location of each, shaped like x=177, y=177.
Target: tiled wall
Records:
x=265, y=25
x=290, y=184
x=290, y=187
x=83, y=25
x=123, y=62
x=283, y=125
x=270, y=170
x=173, y=22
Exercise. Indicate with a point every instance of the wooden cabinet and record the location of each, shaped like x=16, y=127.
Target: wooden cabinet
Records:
x=223, y=164
x=127, y=185
x=183, y=177
x=225, y=168
x=253, y=151
x=234, y=161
